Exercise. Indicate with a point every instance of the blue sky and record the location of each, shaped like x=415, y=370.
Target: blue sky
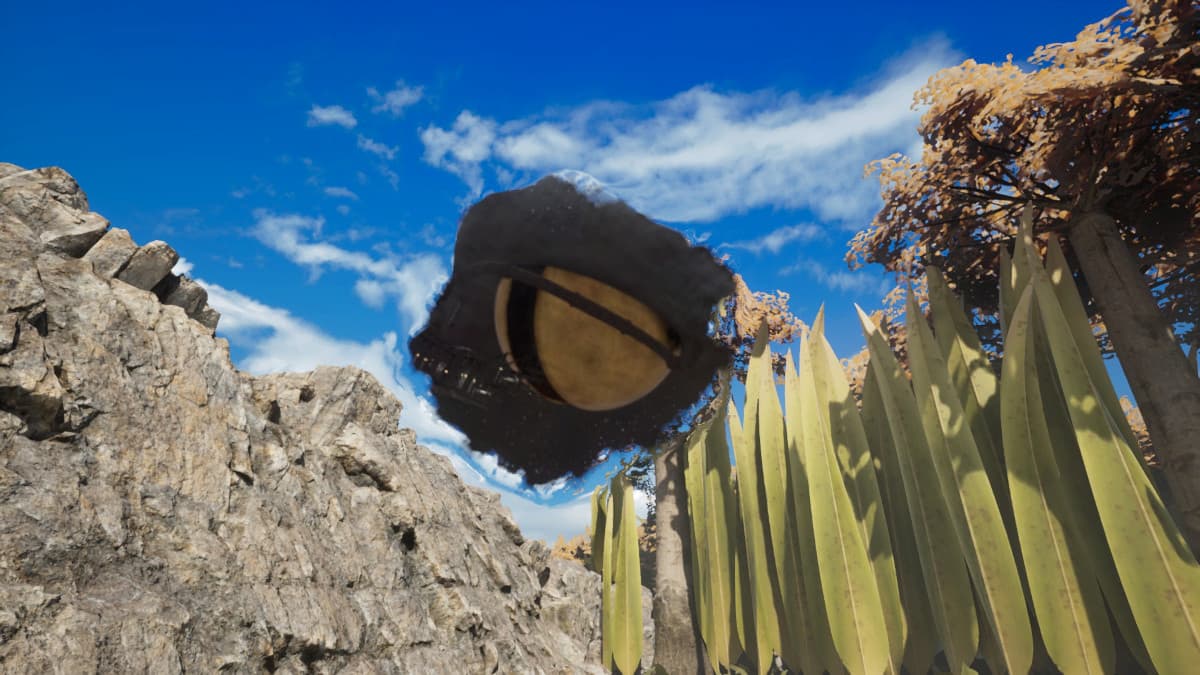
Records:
x=310, y=162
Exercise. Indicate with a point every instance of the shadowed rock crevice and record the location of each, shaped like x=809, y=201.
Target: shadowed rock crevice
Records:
x=163, y=512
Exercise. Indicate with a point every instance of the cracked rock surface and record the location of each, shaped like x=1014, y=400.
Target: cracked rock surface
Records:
x=162, y=512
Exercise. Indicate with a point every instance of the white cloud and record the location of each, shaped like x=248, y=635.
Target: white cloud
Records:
x=182, y=266
x=293, y=345
x=703, y=154
x=461, y=149
x=343, y=209
x=377, y=148
x=411, y=282
x=491, y=465
x=333, y=114
x=392, y=177
x=395, y=101
x=554, y=486
x=335, y=191
x=371, y=292
x=777, y=239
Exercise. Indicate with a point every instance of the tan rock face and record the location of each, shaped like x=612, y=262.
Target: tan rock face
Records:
x=162, y=512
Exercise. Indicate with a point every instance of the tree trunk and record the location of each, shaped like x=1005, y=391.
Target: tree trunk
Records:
x=1166, y=388
x=675, y=644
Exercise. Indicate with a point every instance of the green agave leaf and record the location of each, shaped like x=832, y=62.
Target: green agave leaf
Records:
x=720, y=513
x=818, y=651
x=851, y=596
x=710, y=501
x=858, y=470
x=761, y=593
x=1086, y=517
x=921, y=643
x=627, y=601
x=744, y=641
x=693, y=474
x=1067, y=599
x=944, y=572
x=764, y=424
x=1160, y=577
x=607, y=570
x=973, y=378
x=1086, y=524
x=1007, y=289
x=1081, y=330
x=971, y=500
x=596, y=528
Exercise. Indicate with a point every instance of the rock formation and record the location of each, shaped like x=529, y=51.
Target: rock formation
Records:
x=162, y=512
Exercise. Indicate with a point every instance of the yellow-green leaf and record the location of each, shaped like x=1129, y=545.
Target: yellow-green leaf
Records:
x=851, y=596
x=1160, y=577
x=858, y=469
x=758, y=563
x=1066, y=597
x=943, y=568
x=627, y=600
x=972, y=503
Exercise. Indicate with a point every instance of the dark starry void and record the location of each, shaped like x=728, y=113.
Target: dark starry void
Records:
x=551, y=224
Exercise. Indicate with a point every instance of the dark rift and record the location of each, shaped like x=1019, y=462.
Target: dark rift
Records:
x=570, y=325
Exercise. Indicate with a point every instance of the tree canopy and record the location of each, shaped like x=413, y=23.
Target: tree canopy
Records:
x=1105, y=123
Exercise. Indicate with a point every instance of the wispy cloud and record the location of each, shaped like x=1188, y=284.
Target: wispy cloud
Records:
x=344, y=192
x=319, y=116
x=411, y=282
x=777, y=239
x=392, y=177
x=462, y=149
x=703, y=154
x=395, y=101
x=182, y=266
x=863, y=282
x=377, y=148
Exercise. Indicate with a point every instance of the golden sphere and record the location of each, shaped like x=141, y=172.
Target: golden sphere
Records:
x=586, y=362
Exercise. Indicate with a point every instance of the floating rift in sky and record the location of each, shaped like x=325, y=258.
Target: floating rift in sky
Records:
x=570, y=324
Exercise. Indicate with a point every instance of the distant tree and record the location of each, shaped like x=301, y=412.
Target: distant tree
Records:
x=1102, y=138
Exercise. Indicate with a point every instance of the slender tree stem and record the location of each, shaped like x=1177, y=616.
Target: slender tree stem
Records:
x=676, y=648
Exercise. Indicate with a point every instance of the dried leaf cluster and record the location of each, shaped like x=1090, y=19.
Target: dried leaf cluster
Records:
x=1109, y=122
x=746, y=311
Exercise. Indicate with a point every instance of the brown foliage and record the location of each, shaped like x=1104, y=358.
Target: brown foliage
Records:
x=745, y=312
x=1108, y=122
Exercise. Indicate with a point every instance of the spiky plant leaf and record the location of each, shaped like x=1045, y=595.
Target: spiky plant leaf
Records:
x=1159, y=575
x=1065, y=595
x=972, y=503
x=761, y=592
x=943, y=568
x=858, y=470
x=818, y=651
x=921, y=641
x=627, y=581
x=850, y=593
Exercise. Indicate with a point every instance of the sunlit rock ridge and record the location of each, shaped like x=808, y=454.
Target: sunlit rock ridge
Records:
x=162, y=512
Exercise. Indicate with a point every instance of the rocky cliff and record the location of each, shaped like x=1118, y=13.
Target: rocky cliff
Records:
x=162, y=512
